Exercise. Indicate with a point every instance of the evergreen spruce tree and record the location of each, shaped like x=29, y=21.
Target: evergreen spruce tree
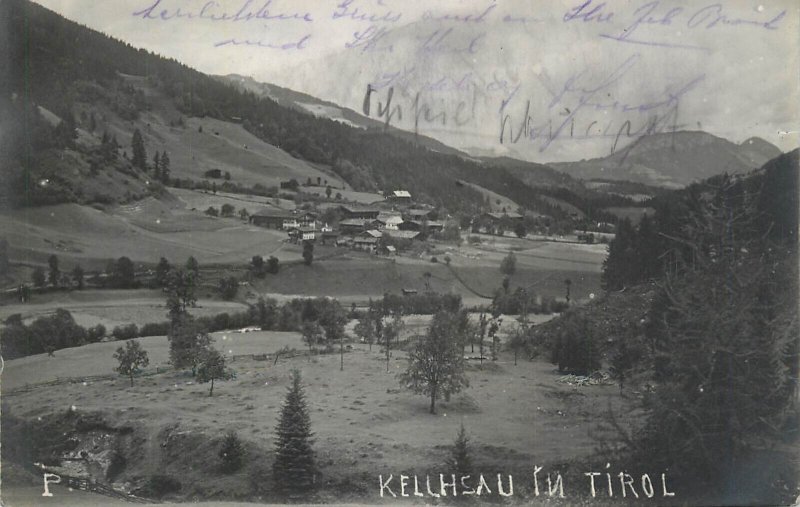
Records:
x=294, y=467
x=54, y=275
x=156, y=166
x=231, y=454
x=137, y=148
x=164, y=168
x=460, y=462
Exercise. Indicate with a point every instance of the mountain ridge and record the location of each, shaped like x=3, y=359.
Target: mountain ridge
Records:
x=674, y=159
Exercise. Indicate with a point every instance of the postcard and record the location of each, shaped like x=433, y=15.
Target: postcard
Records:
x=385, y=252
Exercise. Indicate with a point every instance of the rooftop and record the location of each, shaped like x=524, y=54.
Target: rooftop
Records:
x=353, y=209
x=354, y=221
x=499, y=216
x=401, y=234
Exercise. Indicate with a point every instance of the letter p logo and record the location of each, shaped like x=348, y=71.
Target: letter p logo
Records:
x=50, y=479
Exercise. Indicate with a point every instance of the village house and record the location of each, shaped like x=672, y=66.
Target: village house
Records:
x=272, y=218
x=280, y=219
x=399, y=197
x=352, y=226
x=416, y=225
x=496, y=218
x=372, y=233
x=387, y=250
x=329, y=236
x=417, y=214
x=299, y=234
x=368, y=244
x=390, y=221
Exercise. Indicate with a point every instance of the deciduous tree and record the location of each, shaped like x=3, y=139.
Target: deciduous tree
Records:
x=188, y=342
x=211, y=367
x=436, y=362
x=508, y=266
x=132, y=358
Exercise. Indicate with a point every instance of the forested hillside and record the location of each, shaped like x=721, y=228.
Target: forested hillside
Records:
x=59, y=74
x=701, y=315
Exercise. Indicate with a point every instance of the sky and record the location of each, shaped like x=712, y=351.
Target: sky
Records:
x=540, y=80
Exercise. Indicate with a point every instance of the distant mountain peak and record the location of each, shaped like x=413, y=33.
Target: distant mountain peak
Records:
x=675, y=159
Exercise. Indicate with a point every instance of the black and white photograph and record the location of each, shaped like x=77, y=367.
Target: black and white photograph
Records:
x=399, y=252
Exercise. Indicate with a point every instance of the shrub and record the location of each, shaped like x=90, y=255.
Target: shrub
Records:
x=228, y=288
x=125, y=332
x=575, y=349
x=258, y=475
x=154, y=329
x=159, y=485
x=96, y=333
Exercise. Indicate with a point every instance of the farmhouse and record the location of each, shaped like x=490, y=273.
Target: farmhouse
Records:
x=372, y=233
x=350, y=212
x=418, y=214
x=496, y=218
x=352, y=226
x=279, y=219
x=327, y=236
x=400, y=196
x=368, y=244
x=390, y=221
x=271, y=218
x=416, y=225
x=298, y=234
x=387, y=250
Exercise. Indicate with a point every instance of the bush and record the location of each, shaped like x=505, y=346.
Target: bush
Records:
x=220, y=322
x=228, y=288
x=575, y=349
x=427, y=304
x=125, y=332
x=116, y=466
x=154, y=329
x=96, y=333
x=159, y=485
x=258, y=475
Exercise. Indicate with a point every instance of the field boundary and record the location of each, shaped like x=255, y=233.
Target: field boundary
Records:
x=461, y=280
